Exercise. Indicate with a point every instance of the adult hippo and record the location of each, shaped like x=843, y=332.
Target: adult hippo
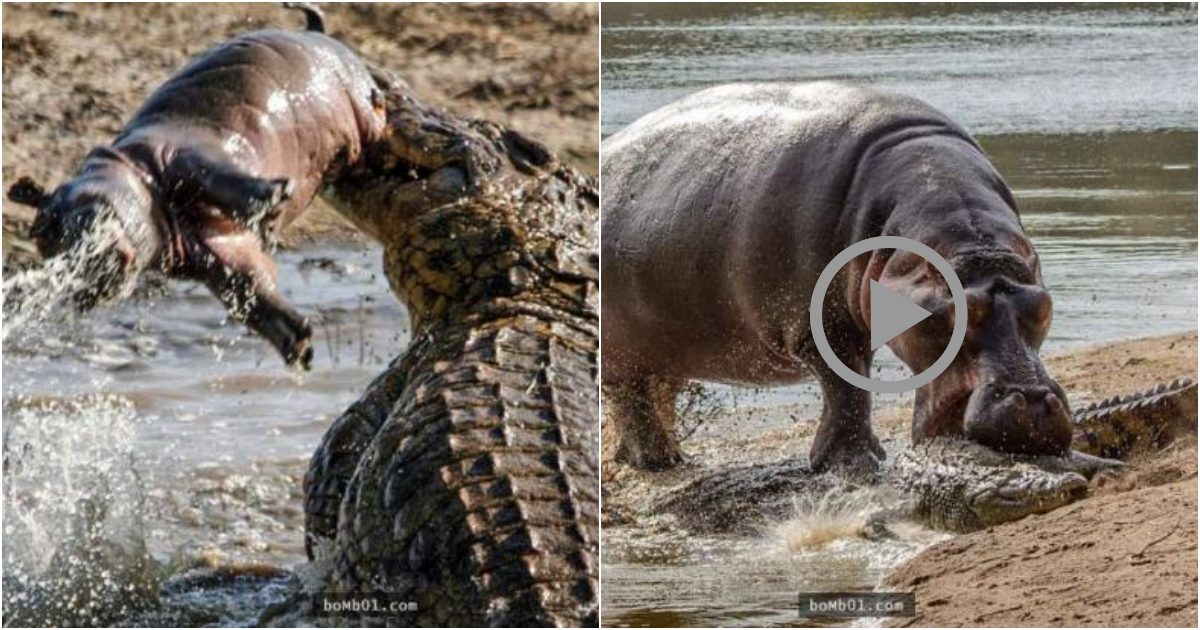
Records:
x=722, y=209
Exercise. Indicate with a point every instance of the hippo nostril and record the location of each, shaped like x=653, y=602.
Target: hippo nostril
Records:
x=1037, y=393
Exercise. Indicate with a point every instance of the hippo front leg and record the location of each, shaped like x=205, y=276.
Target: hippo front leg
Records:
x=642, y=411
x=235, y=268
x=844, y=443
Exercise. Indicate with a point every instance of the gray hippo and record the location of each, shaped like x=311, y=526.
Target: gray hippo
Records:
x=216, y=162
x=721, y=210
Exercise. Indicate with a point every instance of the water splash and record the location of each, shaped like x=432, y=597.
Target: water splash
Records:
x=35, y=297
x=840, y=512
x=74, y=541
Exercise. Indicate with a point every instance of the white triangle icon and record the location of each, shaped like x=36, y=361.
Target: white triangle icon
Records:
x=891, y=314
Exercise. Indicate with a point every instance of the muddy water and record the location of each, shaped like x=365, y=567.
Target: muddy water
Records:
x=164, y=405
x=1090, y=114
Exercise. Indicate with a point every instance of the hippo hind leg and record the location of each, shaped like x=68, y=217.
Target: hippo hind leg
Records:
x=253, y=202
x=243, y=277
x=642, y=411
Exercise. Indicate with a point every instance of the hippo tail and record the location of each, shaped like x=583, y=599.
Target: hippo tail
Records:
x=314, y=18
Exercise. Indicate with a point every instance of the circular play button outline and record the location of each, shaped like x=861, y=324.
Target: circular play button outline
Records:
x=818, y=303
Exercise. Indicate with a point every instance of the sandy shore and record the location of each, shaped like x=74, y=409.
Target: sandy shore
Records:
x=1125, y=556
x=73, y=74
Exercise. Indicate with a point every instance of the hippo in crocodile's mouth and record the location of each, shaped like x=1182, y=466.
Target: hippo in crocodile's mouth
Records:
x=211, y=168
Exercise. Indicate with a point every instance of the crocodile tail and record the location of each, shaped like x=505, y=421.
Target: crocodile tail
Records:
x=477, y=500
x=1120, y=425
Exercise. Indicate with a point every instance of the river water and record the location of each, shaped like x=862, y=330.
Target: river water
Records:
x=161, y=403
x=1088, y=112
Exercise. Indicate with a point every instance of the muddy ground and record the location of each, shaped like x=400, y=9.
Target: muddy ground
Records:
x=74, y=73
x=1124, y=556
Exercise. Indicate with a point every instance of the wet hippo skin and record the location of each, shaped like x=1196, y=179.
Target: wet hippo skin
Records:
x=216, y=162
x=721, y=210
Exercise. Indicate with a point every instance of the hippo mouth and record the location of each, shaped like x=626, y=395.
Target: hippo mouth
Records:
x=944, y=413
x=1028, y=419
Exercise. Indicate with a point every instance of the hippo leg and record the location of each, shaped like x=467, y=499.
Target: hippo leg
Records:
x=243, y=277
x=253, y=202
x=643, y=412
x=844, y=443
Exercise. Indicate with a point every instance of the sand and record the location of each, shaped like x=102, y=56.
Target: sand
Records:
x=74, y=74
x=1125, y=556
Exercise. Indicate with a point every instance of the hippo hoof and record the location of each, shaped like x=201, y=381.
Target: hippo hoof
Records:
x=855, y=462
x=649, y=459
x=301, y=354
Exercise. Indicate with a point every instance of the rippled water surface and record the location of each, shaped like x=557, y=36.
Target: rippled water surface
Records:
x=1088, y=112
x=161, y=409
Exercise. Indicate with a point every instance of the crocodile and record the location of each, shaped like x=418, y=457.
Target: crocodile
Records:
x=953, y=483
x=1122, y=426
x=464, y=482
x=958, y=485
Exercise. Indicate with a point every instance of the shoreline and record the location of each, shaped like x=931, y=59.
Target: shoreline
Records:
x=1124, y=556
x=951, y=578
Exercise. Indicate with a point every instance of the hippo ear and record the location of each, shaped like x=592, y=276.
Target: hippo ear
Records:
x=27, y=192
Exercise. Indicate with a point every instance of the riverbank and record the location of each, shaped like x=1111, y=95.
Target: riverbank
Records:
x=747, y=481
x=1125, y=556
x=74, y=74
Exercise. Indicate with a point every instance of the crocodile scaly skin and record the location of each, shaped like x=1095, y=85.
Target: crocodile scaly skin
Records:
x=465, y=479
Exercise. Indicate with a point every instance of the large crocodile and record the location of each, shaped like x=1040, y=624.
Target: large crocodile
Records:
x=464, y=481
x=952, y=483
x=962, y=486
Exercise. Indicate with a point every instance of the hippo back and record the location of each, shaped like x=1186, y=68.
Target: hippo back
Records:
x=278, y=103
x=721, y=209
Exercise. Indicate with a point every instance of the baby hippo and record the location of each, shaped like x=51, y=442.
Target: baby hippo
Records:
x=215, y=163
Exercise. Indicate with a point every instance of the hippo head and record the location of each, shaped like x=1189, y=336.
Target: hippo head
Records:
x=99, y=220
x=996, y=392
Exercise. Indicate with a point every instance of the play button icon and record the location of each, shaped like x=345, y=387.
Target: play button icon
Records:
x=891, y=314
